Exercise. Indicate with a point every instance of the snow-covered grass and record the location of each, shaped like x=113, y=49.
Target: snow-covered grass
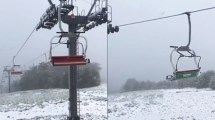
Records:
x=176, y=104
x=52, y=104
x=183, y=104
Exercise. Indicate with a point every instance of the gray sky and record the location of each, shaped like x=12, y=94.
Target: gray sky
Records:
x=142, y=51
x=138, y=51
x=18, y=18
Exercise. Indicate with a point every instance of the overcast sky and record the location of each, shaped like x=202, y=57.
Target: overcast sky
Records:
x=138, y=51
x=142, y=51
x=18, y=18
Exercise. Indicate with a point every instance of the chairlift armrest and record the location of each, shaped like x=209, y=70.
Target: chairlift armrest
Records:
x=174, y=47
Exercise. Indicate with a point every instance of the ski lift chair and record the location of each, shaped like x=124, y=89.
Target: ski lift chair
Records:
x=182, y=74
x=70, y=59
x=191, y=54
x=16, y=70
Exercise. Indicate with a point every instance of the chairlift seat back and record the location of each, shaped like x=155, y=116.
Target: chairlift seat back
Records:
x=16, y=73
x=186, y=74
x=68, y=60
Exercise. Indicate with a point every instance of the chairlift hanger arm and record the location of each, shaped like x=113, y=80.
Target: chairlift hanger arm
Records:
x=50, y=51
x=86, y=43
x=13, y=60
x=94, y=3
x=59, y=15
x=189, y=23
x=83, y=50
x=50, y=2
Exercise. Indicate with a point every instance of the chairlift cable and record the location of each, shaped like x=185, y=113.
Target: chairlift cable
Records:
x=22, y=46
x=170, y=16
x=34, y=59
x=42, y=54
x=149, y=20
x=200, y=10
x=25, y=42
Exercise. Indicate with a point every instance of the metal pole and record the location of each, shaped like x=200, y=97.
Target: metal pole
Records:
x=73, y=114
x=9, y=80
x=45, y=57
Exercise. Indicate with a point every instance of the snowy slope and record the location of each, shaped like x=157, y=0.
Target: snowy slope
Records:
x=52, y=104
x=184, y=104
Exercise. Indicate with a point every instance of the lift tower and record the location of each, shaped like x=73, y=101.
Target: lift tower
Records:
x=8, y=71
x=77, y=24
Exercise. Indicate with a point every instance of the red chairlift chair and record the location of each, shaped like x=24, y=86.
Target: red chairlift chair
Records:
x=16, y=70
x=68, y=60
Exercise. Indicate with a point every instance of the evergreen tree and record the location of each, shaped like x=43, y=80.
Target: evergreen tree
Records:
x=204, y=79
x=212, y=83
x=46, y=76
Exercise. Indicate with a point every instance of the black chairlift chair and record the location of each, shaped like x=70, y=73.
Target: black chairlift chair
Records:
x=69, y=60
x=182, y=74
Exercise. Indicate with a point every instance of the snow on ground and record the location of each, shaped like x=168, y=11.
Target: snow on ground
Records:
x=183, y=104
x=53, y=104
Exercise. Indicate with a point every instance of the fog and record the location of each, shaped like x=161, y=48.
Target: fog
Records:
x=18, y=18
x=138, y=51
x=142, y=51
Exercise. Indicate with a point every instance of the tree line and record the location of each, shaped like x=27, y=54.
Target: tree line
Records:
x=45, y=76
x=205, y=80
